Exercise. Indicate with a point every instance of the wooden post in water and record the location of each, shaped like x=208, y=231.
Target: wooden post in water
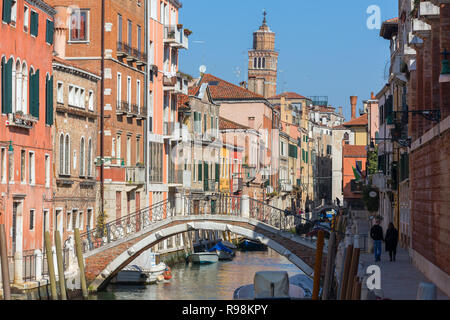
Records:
x=348, y=258
x=352, y=273
x=318, y=265
x=330, y=266
x=51, y=267
x=59, y=258
x=80, y=263
x=5, y=266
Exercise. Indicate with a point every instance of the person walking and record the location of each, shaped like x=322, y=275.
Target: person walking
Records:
x=391, y=240
x=376, y=233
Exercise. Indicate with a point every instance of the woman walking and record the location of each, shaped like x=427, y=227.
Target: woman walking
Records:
x=391, y=240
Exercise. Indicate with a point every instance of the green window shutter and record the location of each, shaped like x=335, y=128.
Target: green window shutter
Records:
x=217, y=172
x=293, y=151
x=303, y=155
x=7, y=86
x=49, y=32
x=34, y=23
x=49, y=101
x=204, y=122
x=34, y=94
x=306, y=156
x=6, y=16
x=200, y=171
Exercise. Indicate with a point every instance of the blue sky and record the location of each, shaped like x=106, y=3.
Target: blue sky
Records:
x=325, y=47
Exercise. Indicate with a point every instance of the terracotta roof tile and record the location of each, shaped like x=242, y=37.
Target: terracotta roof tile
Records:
x=223, y=90
x=74, y=65
x=228, y=124
x=289, y=95
x=360, y=121
x=354, y=151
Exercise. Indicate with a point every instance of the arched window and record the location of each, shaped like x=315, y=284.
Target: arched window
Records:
x=263, y=63
x=259, y=63
x=255, y=63
x=61, y=154
x=24, y=87
x=18, y=87
x=89, y=158
x=67, y=155
x=82, y=159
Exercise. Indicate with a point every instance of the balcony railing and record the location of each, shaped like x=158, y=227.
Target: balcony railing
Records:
x=286, y=186
x=175, y=37
x=210, y=185
x=356, y=186
x=133, y=111
x=171, y=130
x=123, y=50
x=175, y=177
x=135, y=175
x=122, y=107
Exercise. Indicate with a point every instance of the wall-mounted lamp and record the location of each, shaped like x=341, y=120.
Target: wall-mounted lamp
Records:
x=10, y=146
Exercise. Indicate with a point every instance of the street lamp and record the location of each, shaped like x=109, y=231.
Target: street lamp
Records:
x=10, y=146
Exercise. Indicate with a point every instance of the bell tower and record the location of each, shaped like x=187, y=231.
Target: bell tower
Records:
x=262, y=62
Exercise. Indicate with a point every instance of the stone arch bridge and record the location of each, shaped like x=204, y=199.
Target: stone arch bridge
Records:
x=108, y=249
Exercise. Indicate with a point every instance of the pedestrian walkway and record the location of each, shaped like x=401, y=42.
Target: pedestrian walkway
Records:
x=399, y=279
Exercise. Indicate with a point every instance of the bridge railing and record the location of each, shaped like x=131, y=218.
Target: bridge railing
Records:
x=124, y=226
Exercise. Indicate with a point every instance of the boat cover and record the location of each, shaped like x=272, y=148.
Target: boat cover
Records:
x=220, y=247
x=271, y=284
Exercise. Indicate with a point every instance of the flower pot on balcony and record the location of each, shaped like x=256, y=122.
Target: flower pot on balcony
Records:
x=187, y=32
x=179, y=26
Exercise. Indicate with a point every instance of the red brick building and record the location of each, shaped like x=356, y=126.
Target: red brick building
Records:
x=26, y=121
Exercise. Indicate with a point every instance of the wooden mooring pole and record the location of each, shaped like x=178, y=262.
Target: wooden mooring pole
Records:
x=51, y=267
x=329, y=271
x=352, y=273
x=344, y=280
x=80, y=263
x=59, y=259
x=318, y=265
x=5, y=266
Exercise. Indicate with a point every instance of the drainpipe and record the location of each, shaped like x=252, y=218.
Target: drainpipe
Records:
x=146, y=97
x=102, y=98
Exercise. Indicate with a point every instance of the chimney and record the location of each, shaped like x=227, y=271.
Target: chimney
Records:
x=251, y=122
x=340, y=110
x=372, y=97
x=61, y=20
x=243, y=84
x=353, y=101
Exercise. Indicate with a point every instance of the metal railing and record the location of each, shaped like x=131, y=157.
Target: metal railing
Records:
x=123, y=48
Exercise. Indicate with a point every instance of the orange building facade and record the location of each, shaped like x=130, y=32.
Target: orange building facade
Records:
x=26, y=123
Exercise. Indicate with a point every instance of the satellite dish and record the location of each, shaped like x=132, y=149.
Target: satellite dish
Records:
x=202, y=69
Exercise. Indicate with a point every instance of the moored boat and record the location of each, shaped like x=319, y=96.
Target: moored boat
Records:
x=223, y=251
x=204, y=257
x=130, y=275
x=270, y=285
x=250, y=245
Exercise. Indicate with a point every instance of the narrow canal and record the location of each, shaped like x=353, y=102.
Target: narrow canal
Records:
x=205, y=282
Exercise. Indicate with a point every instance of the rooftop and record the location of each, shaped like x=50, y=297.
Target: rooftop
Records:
x=224, y=90
x=360, y=121
x=354, y=151
x=289, y=95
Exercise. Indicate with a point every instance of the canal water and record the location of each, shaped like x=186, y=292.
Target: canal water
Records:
x=215, y=281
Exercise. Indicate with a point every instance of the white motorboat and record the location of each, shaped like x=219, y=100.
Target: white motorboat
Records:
x=204, y=257
x=130, y=275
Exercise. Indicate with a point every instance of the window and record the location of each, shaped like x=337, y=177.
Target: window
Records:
x=80, y=222
x=161, y=12
x=71, y=95
x=49, y=30
x=46, y=222
x=67, y=155
x=58, y=220
x=119, y=144
x=90, y=219
x=129, y=92
x=3, y=165
x=153, y=10
x=139, y=38
x=138, y=151
x=128, y=151
x=130, y=25
x=119, y=28
x=82, y=99
x=60, y=92
x=74, y=222
x=49, y=100
x=138, y=93
x=34, y=23
x=13, y=12
x=61, y=154
x=119, y=89
x=89, y=158
x=82, y=159
x=32, y=219
x=22, y=166
x=156, y=162
x=69, y=221
x=78, y=29
x=26, y=18
x=91, y=100
x=47, y=171
x=31, y=168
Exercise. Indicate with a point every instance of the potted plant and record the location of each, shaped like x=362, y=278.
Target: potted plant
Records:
x=179, y=26
x=187, y=32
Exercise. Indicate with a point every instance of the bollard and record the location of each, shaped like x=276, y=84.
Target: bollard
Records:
x=80, y=263
x=426, y=291
x=59, y=258
x=18, y=267
x=318, y=265
x=348, y=258
x=51, y=268
x=4, y=262
x=245, y=207
x=330, y=266
x=38, y=266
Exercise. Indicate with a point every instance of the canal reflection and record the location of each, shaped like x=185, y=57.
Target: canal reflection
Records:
x=205, y=282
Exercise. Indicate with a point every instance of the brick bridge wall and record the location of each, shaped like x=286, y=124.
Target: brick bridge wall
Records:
x=96, y=263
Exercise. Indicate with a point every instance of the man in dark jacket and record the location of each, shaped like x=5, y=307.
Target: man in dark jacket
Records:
x=376, y=233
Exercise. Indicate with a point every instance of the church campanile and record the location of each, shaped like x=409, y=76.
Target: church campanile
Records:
x=262, y=62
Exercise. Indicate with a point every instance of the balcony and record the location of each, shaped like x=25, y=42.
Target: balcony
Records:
x=142, y=114
x=171, y=130
x=238, y=184
x=175, y=177
x=286, y=186
x=135, y=175
x=122, y=107
x=21, y=120
x=421, y=29
x=356, y=186
x=133, y=111
x=175, y=37
x=141, y=57
x=210, y=185
x=123, y=50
